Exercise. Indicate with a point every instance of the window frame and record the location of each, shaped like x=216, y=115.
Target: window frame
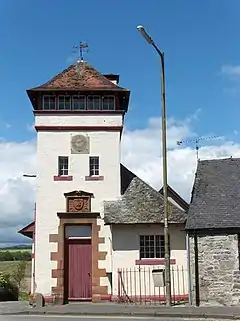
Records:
x=93, y=171
x=153, y=251
x=100, y=102
x=78, y=97
x=64, y=96
x=43, y=102
x=63, y=169
x=114, y=102
x=78, y=231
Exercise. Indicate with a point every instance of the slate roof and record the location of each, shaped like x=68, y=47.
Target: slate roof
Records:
x=175, y=196
x=79, y=76
x=215, y=200
x=140, y=204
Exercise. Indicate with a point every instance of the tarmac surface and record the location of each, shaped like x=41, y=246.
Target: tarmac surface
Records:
x=81, y=318
x=113, y=311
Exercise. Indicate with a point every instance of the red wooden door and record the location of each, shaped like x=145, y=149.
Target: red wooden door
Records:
x=79, y=269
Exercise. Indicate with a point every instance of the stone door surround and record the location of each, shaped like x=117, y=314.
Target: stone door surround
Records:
x=59, y=293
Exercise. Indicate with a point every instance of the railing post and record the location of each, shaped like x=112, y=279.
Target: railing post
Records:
x=119, y=291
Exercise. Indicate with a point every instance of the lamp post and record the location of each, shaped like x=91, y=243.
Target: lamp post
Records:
x=164, y=164
x=34, y=240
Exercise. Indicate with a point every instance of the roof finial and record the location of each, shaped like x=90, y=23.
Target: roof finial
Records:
x=81, y=47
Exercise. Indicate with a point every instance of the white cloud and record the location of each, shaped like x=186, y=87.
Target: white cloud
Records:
x=7, y=125
x=16, y=193
x=232, y=72
x=235, y=132
x=141, y=152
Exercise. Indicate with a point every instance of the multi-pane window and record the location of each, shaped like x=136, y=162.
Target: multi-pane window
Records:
x=62, y=165
x=93, y=165
x=94, y=103
x=108, y=103
x=151, y=246
x=64, y=102
x=78, y=102
x=49, y=102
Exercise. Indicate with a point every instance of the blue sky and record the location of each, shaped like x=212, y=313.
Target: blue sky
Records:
x=202, y=52
x=198, y=38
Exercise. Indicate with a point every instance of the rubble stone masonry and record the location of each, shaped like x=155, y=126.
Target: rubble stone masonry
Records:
x=218, y=265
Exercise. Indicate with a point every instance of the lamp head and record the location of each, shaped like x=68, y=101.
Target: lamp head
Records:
x=145, y=34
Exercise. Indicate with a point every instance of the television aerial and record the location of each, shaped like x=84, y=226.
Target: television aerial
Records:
x=196, y=142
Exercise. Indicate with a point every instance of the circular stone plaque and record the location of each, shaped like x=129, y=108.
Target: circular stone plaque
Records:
x=79, y=144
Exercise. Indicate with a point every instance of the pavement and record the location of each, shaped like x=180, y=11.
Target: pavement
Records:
x=81, y=318
x=114, y=311
x=14, y=307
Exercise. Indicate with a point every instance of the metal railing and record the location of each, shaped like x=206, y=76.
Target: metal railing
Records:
x=136, y=285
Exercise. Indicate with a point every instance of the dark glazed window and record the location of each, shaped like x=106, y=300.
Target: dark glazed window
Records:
x=49, y=102
x=62, y=165
x=64, y=102
x=94, y=103
x=108, y=103
x=152, y=246
x=78, y=102
x=93, y=165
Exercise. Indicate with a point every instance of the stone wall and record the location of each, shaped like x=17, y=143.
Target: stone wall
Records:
x=219, y=274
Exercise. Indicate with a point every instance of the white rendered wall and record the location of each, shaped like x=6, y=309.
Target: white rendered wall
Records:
x=50, y=194
x=78, y=120
x=125, y=250
x=32, y=270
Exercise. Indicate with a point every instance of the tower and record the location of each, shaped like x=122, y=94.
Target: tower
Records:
x=79, y=120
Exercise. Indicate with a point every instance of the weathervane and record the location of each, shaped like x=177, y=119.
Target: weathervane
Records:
x=196, y=141
x=81, y=47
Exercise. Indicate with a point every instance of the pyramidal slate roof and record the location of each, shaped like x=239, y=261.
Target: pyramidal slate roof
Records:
x=215, y=200
x=79, y=76
x=140, y=204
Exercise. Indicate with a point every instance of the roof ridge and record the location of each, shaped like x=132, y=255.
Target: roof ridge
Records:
x=218, y=159
x=149, y=210
x=142, y=181
x=56, y=77
x=88, y=71
x=100, y=74
x=151, y=188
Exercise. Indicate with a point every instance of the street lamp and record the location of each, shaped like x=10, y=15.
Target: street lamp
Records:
x=26, y=175
x=164, y=155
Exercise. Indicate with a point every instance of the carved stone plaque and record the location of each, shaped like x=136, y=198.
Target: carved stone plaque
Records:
x=80, y=144
x=79, y=204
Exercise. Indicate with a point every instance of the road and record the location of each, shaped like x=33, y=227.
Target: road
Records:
x=79, y=318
